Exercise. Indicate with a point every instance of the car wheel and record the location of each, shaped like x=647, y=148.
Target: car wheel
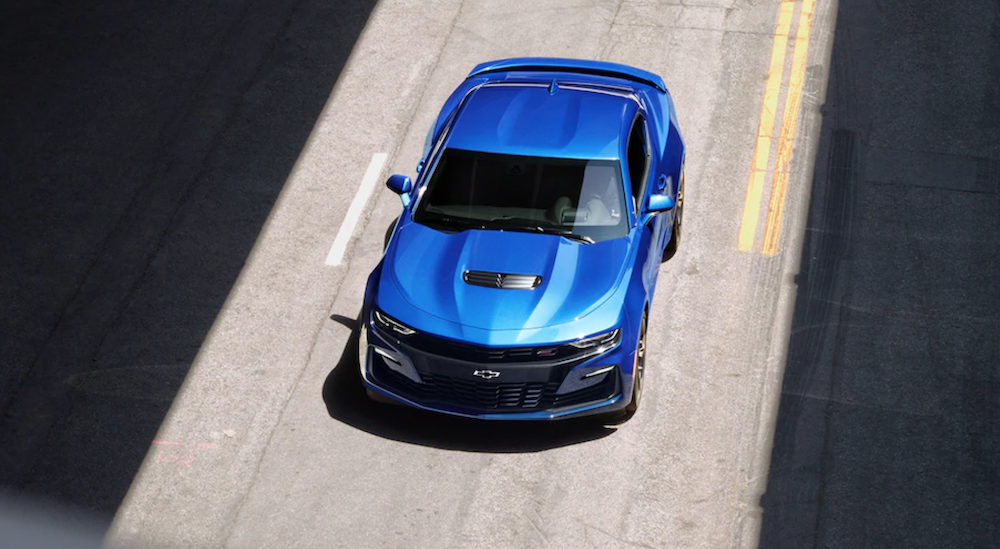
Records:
x=388, y=233
x=638, y=370
x=675, y=233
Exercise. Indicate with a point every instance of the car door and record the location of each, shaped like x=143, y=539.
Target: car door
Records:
x=638, y=159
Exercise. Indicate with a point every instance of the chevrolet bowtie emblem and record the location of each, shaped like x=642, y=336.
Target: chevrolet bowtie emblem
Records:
x=486, y=374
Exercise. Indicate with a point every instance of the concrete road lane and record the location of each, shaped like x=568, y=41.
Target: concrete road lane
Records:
x=272, y=443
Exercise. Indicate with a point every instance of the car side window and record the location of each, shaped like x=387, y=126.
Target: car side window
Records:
x=638, y=161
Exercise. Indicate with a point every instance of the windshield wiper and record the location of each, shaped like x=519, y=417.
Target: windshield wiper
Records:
x=450, y=222
x=553, y=230
x=571, y=235
x=462, y=224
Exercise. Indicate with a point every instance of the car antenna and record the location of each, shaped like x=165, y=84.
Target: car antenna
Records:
x=553, y=87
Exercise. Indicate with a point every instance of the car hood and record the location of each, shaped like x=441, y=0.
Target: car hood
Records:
x=426, y=266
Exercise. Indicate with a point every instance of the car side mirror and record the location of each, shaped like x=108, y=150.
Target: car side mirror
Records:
x=401, y=185
x=659, y=203
x=656, y=203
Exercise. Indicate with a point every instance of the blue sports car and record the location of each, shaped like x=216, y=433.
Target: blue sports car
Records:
x=516, y=283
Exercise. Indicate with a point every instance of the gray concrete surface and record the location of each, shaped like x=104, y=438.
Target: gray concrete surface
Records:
x=309, y=462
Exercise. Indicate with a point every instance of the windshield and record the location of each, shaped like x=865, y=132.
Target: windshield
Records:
x=580, y=199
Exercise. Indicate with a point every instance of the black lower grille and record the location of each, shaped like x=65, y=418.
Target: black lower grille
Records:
x=488, y=395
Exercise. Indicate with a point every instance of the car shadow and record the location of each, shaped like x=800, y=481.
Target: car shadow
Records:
x=347, y=402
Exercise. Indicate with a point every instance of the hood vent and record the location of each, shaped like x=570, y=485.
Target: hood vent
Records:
x=502, y=281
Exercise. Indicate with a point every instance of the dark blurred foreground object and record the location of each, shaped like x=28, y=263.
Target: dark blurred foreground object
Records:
x=32, y=524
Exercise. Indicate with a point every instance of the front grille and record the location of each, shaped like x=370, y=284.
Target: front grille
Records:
x=503, y=281
x=479, y=354
x=491, y=396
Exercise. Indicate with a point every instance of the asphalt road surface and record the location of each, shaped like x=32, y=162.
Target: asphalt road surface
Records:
x=888, y=432
x=179, y=353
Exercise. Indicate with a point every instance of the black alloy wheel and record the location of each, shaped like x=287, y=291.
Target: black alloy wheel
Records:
x=638, y=370
x=675, y=235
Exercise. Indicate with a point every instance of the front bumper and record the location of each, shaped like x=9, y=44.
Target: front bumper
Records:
x=441, y=377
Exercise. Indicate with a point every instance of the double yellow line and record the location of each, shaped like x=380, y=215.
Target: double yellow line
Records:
x=765, y=130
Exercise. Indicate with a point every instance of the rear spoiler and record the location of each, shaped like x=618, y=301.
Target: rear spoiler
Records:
x=578, y=66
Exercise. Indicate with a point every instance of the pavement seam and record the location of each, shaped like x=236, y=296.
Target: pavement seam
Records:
x=603, y=55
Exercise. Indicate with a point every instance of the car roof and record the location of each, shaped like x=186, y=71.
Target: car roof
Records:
x=544, y=119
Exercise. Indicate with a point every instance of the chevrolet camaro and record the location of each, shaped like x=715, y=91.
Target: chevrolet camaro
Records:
x=517, y=281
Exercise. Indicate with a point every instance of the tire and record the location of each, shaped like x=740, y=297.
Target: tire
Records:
x=675, y=234
x=638, y=371
x=388, y=233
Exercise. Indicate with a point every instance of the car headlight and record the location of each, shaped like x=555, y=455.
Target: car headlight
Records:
x=389, y=323
x=606, y=339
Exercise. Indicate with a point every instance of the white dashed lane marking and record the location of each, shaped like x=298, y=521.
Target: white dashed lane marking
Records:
x=336, y=254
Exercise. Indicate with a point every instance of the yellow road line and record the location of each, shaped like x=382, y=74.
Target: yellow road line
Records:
x=789, y=123
x=762, y=149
